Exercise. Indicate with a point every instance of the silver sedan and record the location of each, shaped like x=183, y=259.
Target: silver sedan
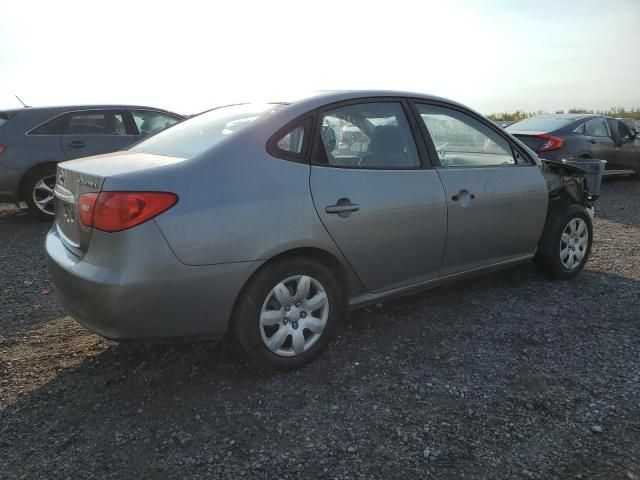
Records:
x=272, y=220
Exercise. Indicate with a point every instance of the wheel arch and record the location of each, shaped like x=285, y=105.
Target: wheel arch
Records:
x=315, y=253
x=21, y=187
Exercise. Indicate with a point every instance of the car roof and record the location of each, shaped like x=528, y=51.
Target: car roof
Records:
x=65, y=108
x=323, y=97
x=296, y=105
x=569, y=116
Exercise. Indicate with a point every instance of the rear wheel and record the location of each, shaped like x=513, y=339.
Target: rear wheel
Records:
x=566, y=242
x=38, y=192
x=288, y=314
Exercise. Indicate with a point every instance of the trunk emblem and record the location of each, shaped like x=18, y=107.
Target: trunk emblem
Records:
x=87, y=183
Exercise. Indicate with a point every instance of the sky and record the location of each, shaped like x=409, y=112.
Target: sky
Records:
x=189, y=56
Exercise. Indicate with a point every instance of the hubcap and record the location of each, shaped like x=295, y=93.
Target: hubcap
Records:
x=574, y=243
x=43, y=194
x=294, y=315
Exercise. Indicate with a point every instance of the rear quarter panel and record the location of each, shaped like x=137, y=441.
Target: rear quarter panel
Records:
x=236, y=203
x=23, y=151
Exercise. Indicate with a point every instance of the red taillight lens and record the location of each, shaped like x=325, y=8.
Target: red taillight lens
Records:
x=551, y=143
x=86, y=204
x=2, y=148
x=116, y=211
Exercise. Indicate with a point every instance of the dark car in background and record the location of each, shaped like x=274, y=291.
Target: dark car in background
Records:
x=576, y=136
x=33, y=140
x=629, y=122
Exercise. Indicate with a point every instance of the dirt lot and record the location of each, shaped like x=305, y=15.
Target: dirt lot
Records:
x=505, y=376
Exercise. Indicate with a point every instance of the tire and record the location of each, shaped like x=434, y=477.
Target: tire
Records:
x=565, y=257
x=34, y=190
x=258, y=303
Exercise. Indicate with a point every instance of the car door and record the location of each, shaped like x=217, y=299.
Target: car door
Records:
x=496, y=196
x=92, y=132
x=385, y=210
x=627, y=150
x=149, y=122
x=603, y=146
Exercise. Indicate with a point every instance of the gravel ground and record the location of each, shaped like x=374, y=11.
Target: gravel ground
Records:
x=509, y=375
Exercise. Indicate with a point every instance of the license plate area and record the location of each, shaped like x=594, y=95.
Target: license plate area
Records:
x=68, y=212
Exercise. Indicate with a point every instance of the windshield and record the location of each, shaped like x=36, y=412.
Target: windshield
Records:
x=195, y=135
x=540, y=124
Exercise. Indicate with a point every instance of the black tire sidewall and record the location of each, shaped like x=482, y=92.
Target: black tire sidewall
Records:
x=245, y=327
x=549, y=253
x=30, y=182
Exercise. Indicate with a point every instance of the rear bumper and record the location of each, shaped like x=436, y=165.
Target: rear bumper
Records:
x=128, y=288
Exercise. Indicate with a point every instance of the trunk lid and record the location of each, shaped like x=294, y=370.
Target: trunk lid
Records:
x=70, y=184
x=88, y=175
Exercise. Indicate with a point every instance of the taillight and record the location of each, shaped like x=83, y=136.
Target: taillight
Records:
x=551, y=143
x=86, y=204
x=116, y=211
x=2, y=148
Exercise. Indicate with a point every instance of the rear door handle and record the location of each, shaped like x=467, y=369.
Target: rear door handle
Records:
x=343, y=208
x=591, y=140
x=462, y=194
x=76, y=144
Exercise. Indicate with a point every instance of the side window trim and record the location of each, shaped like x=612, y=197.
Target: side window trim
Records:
x=129, y=123
x=305, y=121
x=424, y=156
x=414, y=102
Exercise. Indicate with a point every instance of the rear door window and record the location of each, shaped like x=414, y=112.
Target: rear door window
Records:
x=96, y=122
x=596, y=128
x=368, y=135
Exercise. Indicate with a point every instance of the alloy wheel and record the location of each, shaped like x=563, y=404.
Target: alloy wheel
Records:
x=43, y=194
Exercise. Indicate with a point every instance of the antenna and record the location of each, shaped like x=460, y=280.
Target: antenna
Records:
x=23, y=104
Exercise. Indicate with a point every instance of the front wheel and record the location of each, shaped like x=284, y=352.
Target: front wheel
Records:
x=566, y=242
x=288, y=314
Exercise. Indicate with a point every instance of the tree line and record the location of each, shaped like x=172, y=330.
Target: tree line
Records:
x=619, y=112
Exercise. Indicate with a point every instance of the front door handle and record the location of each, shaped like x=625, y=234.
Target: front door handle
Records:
x=343, y=208
x=76, y=144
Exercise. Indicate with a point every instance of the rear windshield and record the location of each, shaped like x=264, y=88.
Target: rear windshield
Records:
x=196, y=135
x=539, y=124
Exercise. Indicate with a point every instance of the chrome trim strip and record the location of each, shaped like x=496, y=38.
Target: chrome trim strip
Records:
x=63, y=194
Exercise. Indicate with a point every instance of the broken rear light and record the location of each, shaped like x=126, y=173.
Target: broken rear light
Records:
x=117, y=211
